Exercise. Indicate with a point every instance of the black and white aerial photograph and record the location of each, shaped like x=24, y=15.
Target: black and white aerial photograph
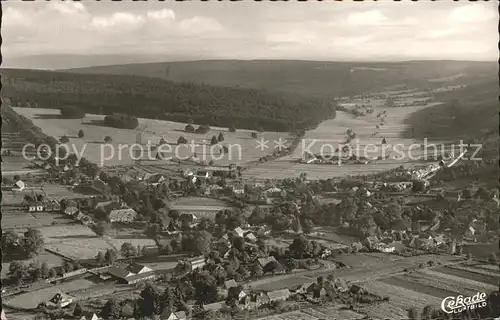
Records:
x=250, y=160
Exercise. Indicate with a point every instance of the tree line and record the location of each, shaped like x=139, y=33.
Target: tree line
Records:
x=161, y=99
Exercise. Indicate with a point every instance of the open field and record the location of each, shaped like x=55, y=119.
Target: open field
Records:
x=53, y=191
x=80, y=248
x=201, y=207
x=79, y=232
x=316, y=313
x=32, y=299
x=51, y=259
x=425, y=287
x=48, y=120
x=331, y=134
x=18, y=220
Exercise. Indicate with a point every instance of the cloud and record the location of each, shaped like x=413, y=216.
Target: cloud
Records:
x=366, y=18
x=117, y=21
x=472, y=13
x=200, y=25
x=67, y=8
x=161, y=15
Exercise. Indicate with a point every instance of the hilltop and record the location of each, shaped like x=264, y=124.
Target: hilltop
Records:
x=306, y=77
x=157, y=98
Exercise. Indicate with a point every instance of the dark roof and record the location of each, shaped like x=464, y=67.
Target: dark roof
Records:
x=118, y=272
x=135, y=267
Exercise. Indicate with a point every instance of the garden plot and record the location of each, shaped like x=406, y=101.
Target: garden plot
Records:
x=144, y=242
x=153, y=130
x=49, y=218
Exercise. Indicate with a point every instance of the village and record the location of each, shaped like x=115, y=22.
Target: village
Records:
x=201, y=242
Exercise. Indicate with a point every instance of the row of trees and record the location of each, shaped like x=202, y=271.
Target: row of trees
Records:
x=28, y=245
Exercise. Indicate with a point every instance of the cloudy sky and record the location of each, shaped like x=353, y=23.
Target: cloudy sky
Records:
x=255, y=30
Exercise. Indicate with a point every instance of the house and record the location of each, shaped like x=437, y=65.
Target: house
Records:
x=169, y=315
x=340, y=285
x=239, y=232
x=90, y=316
x=216, y=306
x=109, y=205
x=386, y=248
x=52, y=206
x=238, y=188
x=236, y=293
x=122, y=215
x=138, y=268
x=189, y=218
x=71, y=210
x=39, y=207
x=265, y=261
x=18, y=186
x=253, y=301
x=229, y=284
x=302, y=289
x=99, y=185
x=250, y=237
x=201, y=174
x=278, y=295
x=197, y=262
x=371, y=241
x=155, y=179
x=214, y=188
x=132, y=274
x=438, y=240
x=59, y=300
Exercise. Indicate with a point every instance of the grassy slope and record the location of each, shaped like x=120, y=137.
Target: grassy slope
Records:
x=306, y=77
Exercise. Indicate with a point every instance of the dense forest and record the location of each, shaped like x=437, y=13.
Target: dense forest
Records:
x=468, y=113
x=161, y=99
x=312, y=78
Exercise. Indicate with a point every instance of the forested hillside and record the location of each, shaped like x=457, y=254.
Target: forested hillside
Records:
x=161, y=99
x=305, y=77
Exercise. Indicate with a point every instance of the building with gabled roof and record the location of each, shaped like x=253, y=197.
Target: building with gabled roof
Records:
x=18, y=186
x=59, y=300
x=230, y=283
x=90, y=316
x=265, y=261
x=279, y=295
x=216, y=306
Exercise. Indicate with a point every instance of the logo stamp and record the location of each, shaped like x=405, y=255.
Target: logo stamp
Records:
x=458, y=304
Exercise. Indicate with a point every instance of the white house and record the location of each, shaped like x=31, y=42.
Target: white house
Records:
x=18, y=186
x=59, y=300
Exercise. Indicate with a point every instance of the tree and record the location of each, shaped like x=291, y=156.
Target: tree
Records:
x=128, y=250
x=203, y=129
x=427, y=312
x=52, y=273
x=220, y=138
x=189, y=128
x=107, y=139
x=111, y=310
x=101, y=258
x=291, y=264
x=182, y=140
x=18, y=271
x=64, y=139
x=232, y=128
x=203, y=240
x=78, y=310
x=110, y=256
x=152, y=230
x=102, y=228
x=300, y=247
x=121, y=121
x=10, y=242
x=254, y=135
x=256, y=270
x=213, y=141
x=413, y=314
x=150, y=300
x=33, y=242
x=81, y=134
x=70, y=112
x=44, y=270
x=493, y=259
